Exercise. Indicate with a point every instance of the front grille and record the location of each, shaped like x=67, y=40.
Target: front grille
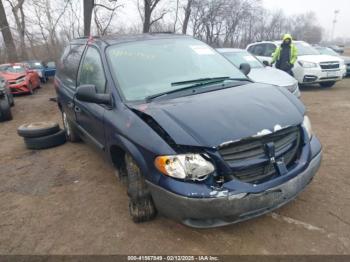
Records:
x=329, y=65
x=249, y=161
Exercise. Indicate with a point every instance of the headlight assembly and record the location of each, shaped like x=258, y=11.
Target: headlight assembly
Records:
x=307, y=126
x=306, y=64
x=185, y=166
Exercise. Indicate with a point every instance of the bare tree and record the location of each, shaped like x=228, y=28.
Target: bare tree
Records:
x=7, y=35
x=18, y=13
x=88, y=8
x=146, y=12
x=176, y=15
x=103, y=22
x=187, y=11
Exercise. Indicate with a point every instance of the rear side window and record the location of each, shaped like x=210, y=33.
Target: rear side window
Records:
x=91, y=70
x=69, y=64
x=251, y=49
x=269, y=49
x=258, y=50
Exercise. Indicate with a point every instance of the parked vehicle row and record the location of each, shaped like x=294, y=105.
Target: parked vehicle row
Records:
x=197, y=139
x=21, y=78
x=311, y=67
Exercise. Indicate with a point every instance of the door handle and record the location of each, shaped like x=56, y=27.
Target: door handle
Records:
x=77, y=109
x=70, y=104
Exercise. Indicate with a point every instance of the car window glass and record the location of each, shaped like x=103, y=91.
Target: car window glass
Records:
x=92, y=72
x=305, y=49
x=269, y=49
x=16, y=69
x=251, y=49
x=238, y=58
x=146, y=68
x=51, y=64
x=259, y=50
x=70, y=64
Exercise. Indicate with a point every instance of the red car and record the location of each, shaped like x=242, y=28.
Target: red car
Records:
x=21, y=79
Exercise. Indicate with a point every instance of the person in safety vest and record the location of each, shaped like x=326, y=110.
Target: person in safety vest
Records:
x=285, y=55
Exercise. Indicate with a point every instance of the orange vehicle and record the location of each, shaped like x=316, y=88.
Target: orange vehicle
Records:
x=21, y=79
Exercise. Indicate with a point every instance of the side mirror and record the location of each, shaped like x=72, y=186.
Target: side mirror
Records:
x=88, y=93
x=245, y=68
x=266, y=63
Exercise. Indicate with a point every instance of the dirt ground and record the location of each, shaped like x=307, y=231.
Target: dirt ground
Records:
x=67, y=200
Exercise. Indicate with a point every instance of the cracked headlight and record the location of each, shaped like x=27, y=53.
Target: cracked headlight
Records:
x=306, y=64
x=186, y=166
x=307, y=126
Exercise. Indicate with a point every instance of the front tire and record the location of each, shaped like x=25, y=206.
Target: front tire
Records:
x=141, y=206
x=327, y=84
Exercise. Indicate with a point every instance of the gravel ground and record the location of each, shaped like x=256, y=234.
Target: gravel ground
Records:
x=67, y=200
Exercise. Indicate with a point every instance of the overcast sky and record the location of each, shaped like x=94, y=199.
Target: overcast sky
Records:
x=324, y=10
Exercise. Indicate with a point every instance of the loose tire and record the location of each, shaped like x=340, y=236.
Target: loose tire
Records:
x=38, y=129
x=5, y=109
x=327, y=84
x=45, y=142
x=71, y=133
x=141, y=206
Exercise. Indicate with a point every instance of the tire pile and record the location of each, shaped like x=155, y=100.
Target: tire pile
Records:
x=42, y=135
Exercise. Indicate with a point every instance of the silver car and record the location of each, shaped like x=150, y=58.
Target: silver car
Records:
x=259, y=72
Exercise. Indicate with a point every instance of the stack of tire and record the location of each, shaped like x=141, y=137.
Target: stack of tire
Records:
x=42, y=135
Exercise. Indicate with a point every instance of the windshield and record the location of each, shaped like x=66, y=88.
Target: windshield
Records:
x=16, y=69
x=51, y=64
x=327, y=51
x=306, y=49
x=3, y=68
x=35, y=65
x=146, y=68
x=238, y=58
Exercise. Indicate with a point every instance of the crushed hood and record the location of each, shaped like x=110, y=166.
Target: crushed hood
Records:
x=210, y=119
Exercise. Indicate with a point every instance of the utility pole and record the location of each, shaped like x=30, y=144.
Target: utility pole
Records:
x=336, y=12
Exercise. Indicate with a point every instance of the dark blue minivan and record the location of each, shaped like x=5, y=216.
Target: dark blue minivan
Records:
x=194, y=138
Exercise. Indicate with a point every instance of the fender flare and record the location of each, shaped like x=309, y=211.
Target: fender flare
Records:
x=131, y=149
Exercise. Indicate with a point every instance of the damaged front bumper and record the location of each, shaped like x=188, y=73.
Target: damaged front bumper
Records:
x=231, y=208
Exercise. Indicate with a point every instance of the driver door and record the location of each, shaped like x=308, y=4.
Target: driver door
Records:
x=90, y=116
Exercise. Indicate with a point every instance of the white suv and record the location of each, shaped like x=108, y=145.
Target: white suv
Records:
x=311, y=67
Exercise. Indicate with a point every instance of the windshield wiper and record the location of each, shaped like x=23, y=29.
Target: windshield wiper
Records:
x=200, y=82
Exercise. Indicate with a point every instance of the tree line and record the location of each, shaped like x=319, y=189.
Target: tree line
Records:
x=40, y=28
